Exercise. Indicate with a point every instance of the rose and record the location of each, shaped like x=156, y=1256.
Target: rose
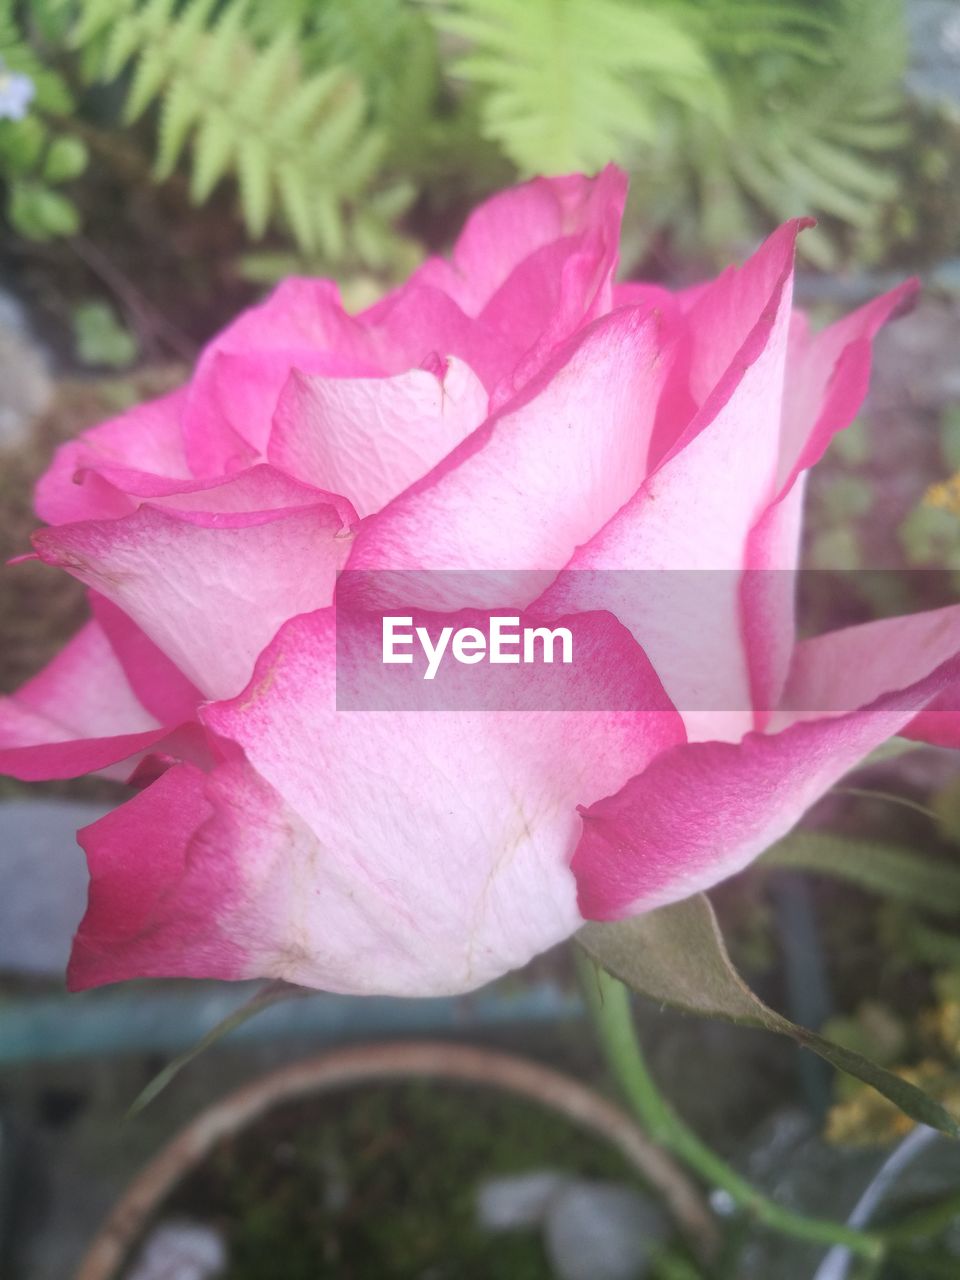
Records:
x=511, y=409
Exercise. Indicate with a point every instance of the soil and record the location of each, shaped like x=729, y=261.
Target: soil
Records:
x=381, y=1183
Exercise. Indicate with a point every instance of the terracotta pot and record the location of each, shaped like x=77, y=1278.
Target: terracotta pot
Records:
x=394, y=1061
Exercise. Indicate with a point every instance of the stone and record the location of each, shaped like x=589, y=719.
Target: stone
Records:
x=934, y=71
x=26, y=389
x=520, y=1200
x=180, y=1251
x=43, y=882
x=602, y=1231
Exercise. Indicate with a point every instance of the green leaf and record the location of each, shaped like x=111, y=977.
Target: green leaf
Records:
x=950, y=437
x=21, y=145
x=149, y=78
x=95, y=16
x=268, y=266
x=100, y=338
x=300, y=107
x=272, y=66
x=177, y=117
x=126, y=34
x=256, y=194
x=295, y=199
x=39, y=213
x=242, y=97
x=269, y=995
x=884, y=869
x=572, y=83
x=676, y=955
x=66, y=158
x=213, y=152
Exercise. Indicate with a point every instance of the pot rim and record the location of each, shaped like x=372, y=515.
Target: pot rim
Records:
x=392, y=1061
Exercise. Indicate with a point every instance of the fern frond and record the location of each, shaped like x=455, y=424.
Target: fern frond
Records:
x=295, y=199
x=169, y=43
x=304, y=103
x=299, y=143
x=390, y=46
x=744, y=28
x=95, y=17
x=126, y=34
x=812, y=152
x=256, y=177
x=809, y=131
x=214, y=148
x=177, y=117
x=573, y=83
x=263, y=86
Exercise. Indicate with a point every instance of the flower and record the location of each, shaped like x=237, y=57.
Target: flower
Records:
x=16, y=93
x=511, y=409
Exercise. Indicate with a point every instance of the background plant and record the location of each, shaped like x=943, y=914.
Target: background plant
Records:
x=332, y=121
x=35, y=157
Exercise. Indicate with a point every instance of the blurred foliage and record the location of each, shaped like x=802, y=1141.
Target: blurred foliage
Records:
x=861, y=1116
x=298, y=139
x=100, y=337
x=910, y=1022
x=36, y=158
x=571, y=85
x=724, y=110
x=331, y=119
x=930, y=535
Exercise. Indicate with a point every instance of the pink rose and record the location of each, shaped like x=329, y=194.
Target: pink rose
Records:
x=511, y=409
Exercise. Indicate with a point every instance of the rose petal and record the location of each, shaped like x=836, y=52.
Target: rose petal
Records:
x=826, y=381
x=705, y=810
x=210, y=587
x=524, y=489
x=668, y=563
x=407, y=326
x=511, y=226
x=241, y=372
x=157, y=683
x=77, y=716
x=850, y=668
x=152, y=903
x=441, y=842
x=370, y=438
x=532, y=266
x=144, y=440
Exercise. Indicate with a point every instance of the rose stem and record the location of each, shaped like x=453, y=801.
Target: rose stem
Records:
x=609, y=1003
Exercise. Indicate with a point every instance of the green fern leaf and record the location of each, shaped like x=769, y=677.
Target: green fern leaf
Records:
x=295, y=201
x=179, y=112
x=149, y=78
x=391, y=48
x=240, y=101
x=268, y=71
x=571, y=82
x=357, y=164
x=329, y=225
x=126, y=35
x=346, y=108
x=814, y=106
x=306, y=102
x=217, y=58
x=256, y=195
x=191, y=23
x=95, y=17
x=214, y=147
